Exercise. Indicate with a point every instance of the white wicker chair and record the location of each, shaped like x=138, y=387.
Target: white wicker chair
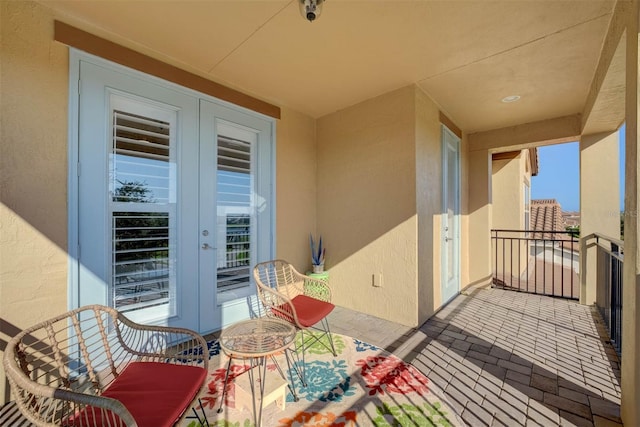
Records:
x=94, y=367
x=301, y=300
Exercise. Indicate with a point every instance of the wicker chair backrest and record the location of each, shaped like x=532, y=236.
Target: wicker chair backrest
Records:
x=60, y=366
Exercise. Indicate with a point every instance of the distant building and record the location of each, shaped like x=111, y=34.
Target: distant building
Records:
x=571, y=219
x=546, y=215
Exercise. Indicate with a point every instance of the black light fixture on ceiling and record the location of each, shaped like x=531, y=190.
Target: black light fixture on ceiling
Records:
x=310, y=9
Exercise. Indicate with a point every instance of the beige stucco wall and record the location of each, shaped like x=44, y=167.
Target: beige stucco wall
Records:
x=465, y=258
x=479, y=216
x=507, y=179
x=367, y=205
x=33, y=170
x=296, y=187
x=599, y=200
x=379, y=205
x=600, y=184
x=630, y=384
x=429, y=207
x=429, y=204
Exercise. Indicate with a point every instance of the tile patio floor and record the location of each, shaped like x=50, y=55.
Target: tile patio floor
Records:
x=501, y=358
x=508, y=358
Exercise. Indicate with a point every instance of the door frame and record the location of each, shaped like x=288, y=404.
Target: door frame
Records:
x=73, y=219
x=444, y=259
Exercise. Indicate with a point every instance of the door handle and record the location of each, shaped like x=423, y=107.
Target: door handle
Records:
x=206, y=246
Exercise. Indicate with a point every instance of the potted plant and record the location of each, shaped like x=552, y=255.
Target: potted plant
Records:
x=317, y=256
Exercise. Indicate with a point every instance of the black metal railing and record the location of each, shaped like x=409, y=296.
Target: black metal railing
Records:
x=608, y=273
x=544, y=262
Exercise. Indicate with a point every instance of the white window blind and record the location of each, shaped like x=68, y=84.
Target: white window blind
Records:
x=235, y=225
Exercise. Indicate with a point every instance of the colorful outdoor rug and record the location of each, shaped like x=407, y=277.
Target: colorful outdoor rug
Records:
x=362, y=386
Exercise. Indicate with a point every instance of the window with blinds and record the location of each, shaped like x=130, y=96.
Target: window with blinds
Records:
x=235, y=224
x=142, y=214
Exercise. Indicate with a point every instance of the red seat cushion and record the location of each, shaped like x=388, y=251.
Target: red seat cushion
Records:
x=310, y=310
x=155, y=393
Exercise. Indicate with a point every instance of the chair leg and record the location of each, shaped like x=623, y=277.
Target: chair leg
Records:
x=226, y=381
x=290, y=384
x=304, y=363
x=303, y=347
x=326, y=326
x=204, y=422
x=298, y=363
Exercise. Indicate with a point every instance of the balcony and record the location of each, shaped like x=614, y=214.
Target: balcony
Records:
x=531, y=357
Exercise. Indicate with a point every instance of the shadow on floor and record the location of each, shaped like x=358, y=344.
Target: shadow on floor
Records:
x=509, y=358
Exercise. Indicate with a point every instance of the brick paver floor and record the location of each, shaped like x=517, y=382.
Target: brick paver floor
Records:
x=508, y=358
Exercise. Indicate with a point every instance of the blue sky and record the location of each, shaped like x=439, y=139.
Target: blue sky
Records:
x=559, y=174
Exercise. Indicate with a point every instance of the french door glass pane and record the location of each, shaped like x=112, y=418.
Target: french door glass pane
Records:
x=141, y=172
x=235, y=223
x=141, y=260
x=142, y=193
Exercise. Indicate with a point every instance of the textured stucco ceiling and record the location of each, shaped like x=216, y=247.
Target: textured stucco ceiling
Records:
x=467, y=55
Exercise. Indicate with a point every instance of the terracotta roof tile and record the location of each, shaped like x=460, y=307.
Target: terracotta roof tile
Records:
x=546, y=215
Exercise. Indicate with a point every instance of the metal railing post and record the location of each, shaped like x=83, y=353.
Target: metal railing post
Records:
x=583, y=268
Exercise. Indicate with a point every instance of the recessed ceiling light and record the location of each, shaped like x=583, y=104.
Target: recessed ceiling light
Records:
x=510, y=98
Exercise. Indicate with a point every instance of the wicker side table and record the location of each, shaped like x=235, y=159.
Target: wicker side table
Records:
x=257, y=339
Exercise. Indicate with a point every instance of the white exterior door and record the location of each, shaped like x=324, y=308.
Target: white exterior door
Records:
x=168, y=183
x=235, y=210
x=450, y=215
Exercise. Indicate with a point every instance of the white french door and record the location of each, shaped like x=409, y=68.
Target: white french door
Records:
x=235, y=219
x=174, y=200
x=450, y=215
